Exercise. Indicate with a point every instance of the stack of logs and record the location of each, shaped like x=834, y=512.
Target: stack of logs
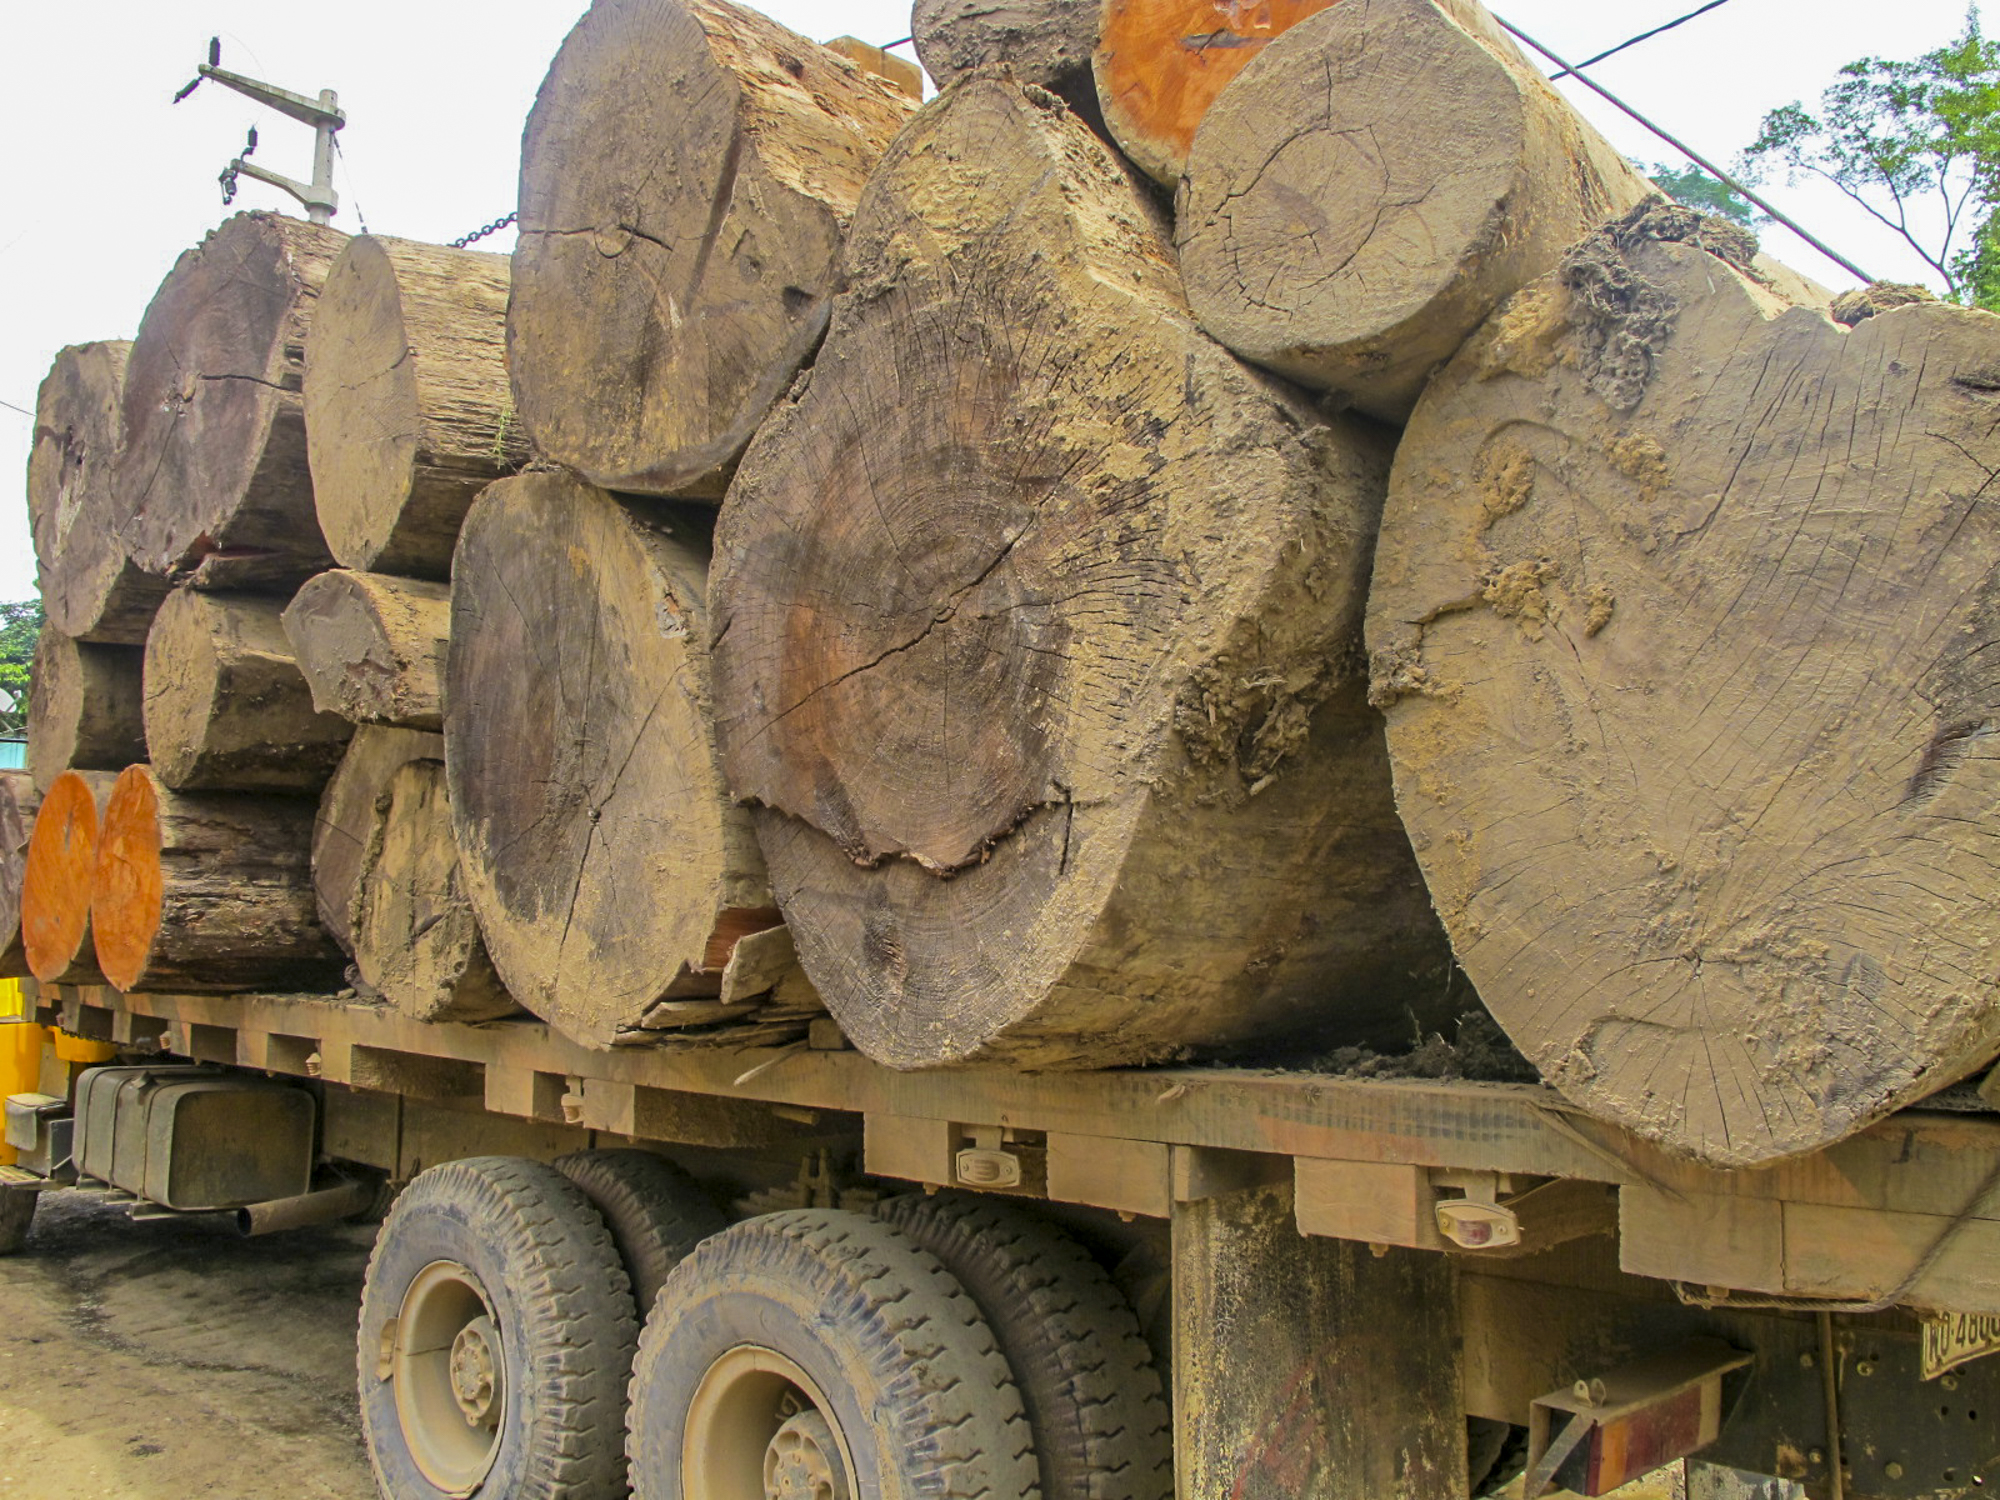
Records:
x=889, y=559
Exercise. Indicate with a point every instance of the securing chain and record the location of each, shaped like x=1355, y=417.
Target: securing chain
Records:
x=480, y=233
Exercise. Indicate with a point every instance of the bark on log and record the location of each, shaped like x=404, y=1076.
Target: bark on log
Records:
x=1037, y=640
x=213, y=476
x=18, y=801
x=90, y=589
x=686, y=178
x=55, y=883
x=1048, y=43
x=1161, y=64
x=1684, y=620
x=372, y=648
x=227, y=708
x=347, y=817
x=1354, y=236
x=606, y=863
x=416, y=940
x=408, y=414
x=86, y=708
x=208, y=892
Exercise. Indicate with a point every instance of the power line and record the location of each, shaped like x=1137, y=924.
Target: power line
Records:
x=1691, y=154
x=1644, y=36
x=21, y=409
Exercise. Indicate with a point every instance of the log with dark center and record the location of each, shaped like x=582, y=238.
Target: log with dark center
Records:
x=55, y=882
x=1048, y=43
x=206, y=892
x=86, y=708
x=1685, y=620
x=346, y=818
x=1353, y=234
x=213, y=480
x=18, y=801
x=90, y=589
x=606, y=864
x=416, y=941
x=1160, y=64
x=1037, y=641
x=372, y=647
x=408, y=414
x=227, y=708
x=686, y=177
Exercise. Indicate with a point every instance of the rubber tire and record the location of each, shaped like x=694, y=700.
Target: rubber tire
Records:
x=564, y=1310
x=17, y=1213
x=655, y=1211
x=1102, y=1425
x=917, y=1385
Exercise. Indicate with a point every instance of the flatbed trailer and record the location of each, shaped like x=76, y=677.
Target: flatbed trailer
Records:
x=1359, y=1286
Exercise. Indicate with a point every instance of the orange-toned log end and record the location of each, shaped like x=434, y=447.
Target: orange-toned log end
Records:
x=1161, y=63
x=125, y=884
x=732, y=925
x=55, y=888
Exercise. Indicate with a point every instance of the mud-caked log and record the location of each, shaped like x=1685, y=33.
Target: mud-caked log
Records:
x=408, y=412
x=55, y=884
x=346, y=821
x=86, y=707
x=1685, y=624
x=209, y=891
x=372, y=647
x=416, y=940
x=1352, y=234
x=91, y=590
x=227, y=708
x=1037, y=640
x=18, y=800
x=212, y=478
x=1048, y=43
x=1159, y=65
x=606, y=863
x=687, y=174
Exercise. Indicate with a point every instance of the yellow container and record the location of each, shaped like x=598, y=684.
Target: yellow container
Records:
x=20, y=1065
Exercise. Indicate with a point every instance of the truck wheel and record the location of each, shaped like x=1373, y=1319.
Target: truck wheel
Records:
x=496, y=1335
x=655, y=1211
x=1102, y=1426
x=17, y=1212
x=819, y=1352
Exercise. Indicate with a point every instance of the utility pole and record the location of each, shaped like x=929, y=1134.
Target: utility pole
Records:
x=323, y=115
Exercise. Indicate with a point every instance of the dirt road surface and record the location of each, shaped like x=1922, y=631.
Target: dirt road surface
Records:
x=165, y=1361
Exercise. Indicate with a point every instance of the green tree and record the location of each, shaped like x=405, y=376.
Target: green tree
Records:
x=1695, y=188
x=20, y=628
x=1916, y=144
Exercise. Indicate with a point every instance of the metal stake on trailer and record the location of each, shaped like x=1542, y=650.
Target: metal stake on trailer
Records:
x=320, y=200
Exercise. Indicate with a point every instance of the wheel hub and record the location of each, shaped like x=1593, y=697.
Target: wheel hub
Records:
x=473, y=1381
x=803, y=1461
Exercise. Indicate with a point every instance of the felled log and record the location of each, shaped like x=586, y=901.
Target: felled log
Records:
x=416, y=941
x=18, y=801
x=1048, y=43
x=1036, y=638
x=212, y=479
x=90, y=589
x=1353, y=235
x=55, y=881
x=1160, y=64
x=85, y=707
x=372, y=647
x=346, y=820
x=206, y=892
x=604, y=859
x=227, y=708
x=408, y=415
x=1684, y=625
x=904, y=76
x=686, y=177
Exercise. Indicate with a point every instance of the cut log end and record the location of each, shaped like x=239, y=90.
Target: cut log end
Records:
x=18, y=801
x=55, y=893
x=372, y=648
x=86, y=708
x=124, y=890
x=344, y=827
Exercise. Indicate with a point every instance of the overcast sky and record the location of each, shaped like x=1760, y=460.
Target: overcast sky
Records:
x=105, y=182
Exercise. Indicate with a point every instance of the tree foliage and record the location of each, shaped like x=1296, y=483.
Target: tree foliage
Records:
x=20, y=628
x=1695, y=188
x=1916, y=144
